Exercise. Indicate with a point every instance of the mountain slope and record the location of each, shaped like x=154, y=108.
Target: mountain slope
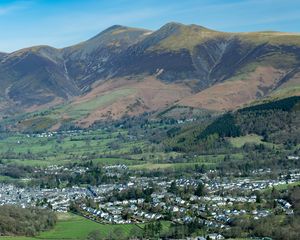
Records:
x=45, y=75
x=35, y=76
x=179, y=52
x=203, y=68
x=224, y=70
x=2, y=55
x=92, y=59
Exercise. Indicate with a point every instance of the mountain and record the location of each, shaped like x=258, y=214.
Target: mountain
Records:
x=35, y=76
x=39, y=75
x=93, y=59
x=2, y=55
x=129, y=71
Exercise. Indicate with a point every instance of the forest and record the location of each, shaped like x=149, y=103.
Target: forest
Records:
x=17, y=221
x=277, y=122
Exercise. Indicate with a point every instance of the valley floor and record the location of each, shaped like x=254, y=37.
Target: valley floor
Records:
x=122, y=181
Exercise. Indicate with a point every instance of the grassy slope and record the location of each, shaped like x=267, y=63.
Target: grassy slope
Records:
x=76, y=227
x=50, y=152
x=110, y=99
x=250, y=80
x=71, y=226
x=240, y=141
x=209, y=161
x=191, y=35
x=188, y=37
x=81, y=109
x=42, y=152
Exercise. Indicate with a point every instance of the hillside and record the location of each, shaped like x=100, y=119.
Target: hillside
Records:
x=35, y=76
x=270, y=122
x=145, y=71
x=92, y=60
x=2, y=55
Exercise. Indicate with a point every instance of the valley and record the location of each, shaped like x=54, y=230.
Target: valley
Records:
x=193, y=177
x=179, y=131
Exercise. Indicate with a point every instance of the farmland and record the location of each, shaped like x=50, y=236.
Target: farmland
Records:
x=60, y=149
x=71, y=226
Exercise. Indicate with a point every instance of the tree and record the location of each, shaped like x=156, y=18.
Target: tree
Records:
x=200, y=190
x=173, y=188
x=158, y=227
x=25, y=222
x=258, y=197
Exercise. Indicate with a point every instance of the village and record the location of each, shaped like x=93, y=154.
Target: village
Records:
x=215, y=207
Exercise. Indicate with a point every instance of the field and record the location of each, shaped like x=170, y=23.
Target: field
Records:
x=104, y=147
x=239, y=142
x=156, y=166
x=108, y=148
x=283, y=187
x=71, y=226
x=75, y=227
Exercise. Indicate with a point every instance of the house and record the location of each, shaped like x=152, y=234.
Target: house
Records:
x=215, y=236
x=199, y=238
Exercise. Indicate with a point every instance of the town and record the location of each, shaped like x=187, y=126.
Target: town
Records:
x=212, y=201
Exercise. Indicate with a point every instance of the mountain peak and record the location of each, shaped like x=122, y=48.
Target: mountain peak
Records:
x=167, y=30
x=176, y=25
x=115, y=27
x=44, y=50
x=173, y=24
x=174, y=28
x=177, y=36
x=171, y=27
x=199, y=27
x=109, y=31
x=118, y=31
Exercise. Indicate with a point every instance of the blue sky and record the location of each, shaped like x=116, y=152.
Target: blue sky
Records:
x=66, y=22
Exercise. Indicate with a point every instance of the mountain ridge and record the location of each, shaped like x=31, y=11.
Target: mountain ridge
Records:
x=211, y=64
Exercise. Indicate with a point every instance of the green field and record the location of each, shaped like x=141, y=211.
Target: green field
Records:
x=59, y=150
x=156, y=166
x=283, y=187
x=209, y=161
x=76, y=111
x=75, y=227
x=239, y=142
x=71, y=226
x=103, y=147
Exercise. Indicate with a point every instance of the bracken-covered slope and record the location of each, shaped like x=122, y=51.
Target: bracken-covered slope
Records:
x=140, y=70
